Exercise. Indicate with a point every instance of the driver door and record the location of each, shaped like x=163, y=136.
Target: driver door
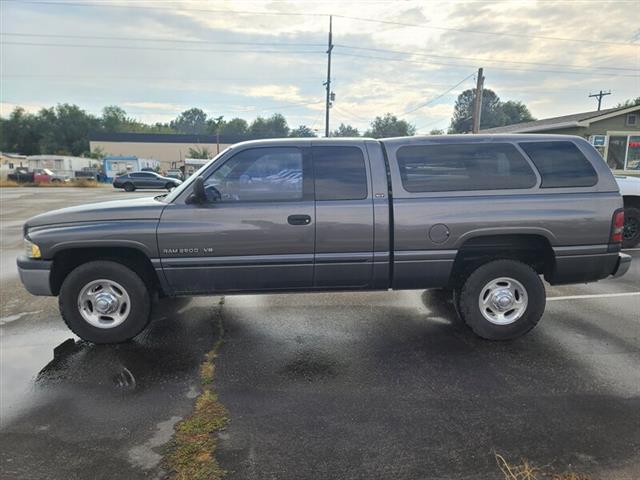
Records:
x=256, y=232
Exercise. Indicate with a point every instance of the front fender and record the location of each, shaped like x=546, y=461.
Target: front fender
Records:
x=138, y=234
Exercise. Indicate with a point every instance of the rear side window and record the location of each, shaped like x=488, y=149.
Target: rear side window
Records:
x=441, y=168
x=340, y=173
x=561, y=164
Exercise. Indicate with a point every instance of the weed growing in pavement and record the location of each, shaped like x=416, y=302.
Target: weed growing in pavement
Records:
x=526, y=471
x=192, y=452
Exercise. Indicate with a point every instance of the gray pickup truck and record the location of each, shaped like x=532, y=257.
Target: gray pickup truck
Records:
x=481, y=216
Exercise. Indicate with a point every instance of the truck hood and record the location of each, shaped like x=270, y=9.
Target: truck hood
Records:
x=132, y=209
x=628, y=185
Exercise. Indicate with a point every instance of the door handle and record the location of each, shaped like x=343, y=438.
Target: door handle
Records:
x=299, y=219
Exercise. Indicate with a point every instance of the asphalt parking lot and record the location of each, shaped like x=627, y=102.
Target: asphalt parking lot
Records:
x=345, y=386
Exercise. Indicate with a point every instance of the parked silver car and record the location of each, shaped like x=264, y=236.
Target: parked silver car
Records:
x=135, y=180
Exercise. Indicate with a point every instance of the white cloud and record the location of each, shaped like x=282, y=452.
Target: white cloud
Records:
x=174, y=107
x=7, y=107
x=155, y=85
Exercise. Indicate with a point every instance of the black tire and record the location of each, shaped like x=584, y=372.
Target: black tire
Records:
x=169, y=186
x=467, y=299
x=631, y=233
x=139, y=309
x=129, y=187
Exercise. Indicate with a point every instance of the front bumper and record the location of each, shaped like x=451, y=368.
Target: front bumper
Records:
x=34, y=274
x=624, y=262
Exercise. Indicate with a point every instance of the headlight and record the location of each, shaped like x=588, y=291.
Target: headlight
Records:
x=31, y=249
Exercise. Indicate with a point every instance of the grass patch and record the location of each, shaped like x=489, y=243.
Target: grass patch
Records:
x=79, y=183
x=192, y=452
x=527, y=471
x=5, y=182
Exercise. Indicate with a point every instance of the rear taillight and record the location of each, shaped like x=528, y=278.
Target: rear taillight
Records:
x=617, y=226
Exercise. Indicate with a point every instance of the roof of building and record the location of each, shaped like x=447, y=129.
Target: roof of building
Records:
x=162, y=138
x=566, y=121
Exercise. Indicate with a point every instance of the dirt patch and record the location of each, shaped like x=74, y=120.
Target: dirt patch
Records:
x=79, y=183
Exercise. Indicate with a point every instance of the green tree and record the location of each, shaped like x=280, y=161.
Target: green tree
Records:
x=494, y=112
x=214, y=125
x=65, y=129
x=632, y=102
x=436, y=131
x=98, y=153
x=515, y=112
x=114, y=119
x=302, y=131
x=192, y=121
x=390, y=126
x=273, y=127
x=20, y=133
x=491, y=113
x=345, y=131
x=236, y=127
x=200, y=152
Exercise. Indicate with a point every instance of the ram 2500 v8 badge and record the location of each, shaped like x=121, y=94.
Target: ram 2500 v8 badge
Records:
x=482, y=216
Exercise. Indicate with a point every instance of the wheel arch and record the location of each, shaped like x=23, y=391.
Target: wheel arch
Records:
x=530, y=248
x=66, y=260
x=632, y=201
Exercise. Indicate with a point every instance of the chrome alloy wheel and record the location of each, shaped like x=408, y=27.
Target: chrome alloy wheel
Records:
x=503, y=300
x=104, y=303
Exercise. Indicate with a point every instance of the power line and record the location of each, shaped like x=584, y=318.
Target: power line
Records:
x=172, y=9
x=307, y=80
x=162, y=49
x=301, y=14
x=353, y=116
x=281, y=44
x=475, y=59
x=484, y=32
x=158, y=39
x=371, y=57
x=438, y=96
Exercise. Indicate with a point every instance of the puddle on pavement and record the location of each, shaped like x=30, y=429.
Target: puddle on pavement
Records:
x=40, y=361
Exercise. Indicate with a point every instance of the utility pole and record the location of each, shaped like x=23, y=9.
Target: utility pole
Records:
x=599, y=96
x=477, y=104
x=328, y=82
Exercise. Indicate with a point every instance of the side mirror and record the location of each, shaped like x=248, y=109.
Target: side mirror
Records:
x=198, y=195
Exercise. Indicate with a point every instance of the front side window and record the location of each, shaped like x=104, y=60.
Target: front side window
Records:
x=340, y=173
x=441, y=168
x=561, y=164
x=266, y=174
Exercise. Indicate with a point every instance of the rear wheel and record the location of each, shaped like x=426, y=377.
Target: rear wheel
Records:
x=501, y=300
x=631, y=232
x=129, y=187
x=104, y=302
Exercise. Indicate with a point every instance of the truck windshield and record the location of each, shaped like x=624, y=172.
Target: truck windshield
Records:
x=175, y=193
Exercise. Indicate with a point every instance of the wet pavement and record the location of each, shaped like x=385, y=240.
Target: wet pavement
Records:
x=363, y=385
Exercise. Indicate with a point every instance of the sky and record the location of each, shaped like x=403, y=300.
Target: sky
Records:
x=249, y=58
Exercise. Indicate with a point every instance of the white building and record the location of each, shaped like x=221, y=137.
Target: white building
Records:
x=63, y=164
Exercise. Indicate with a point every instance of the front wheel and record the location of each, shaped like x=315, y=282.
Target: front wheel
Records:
x=104, y=302
x=129, y=187
x=631, y=231
x=501, y=300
